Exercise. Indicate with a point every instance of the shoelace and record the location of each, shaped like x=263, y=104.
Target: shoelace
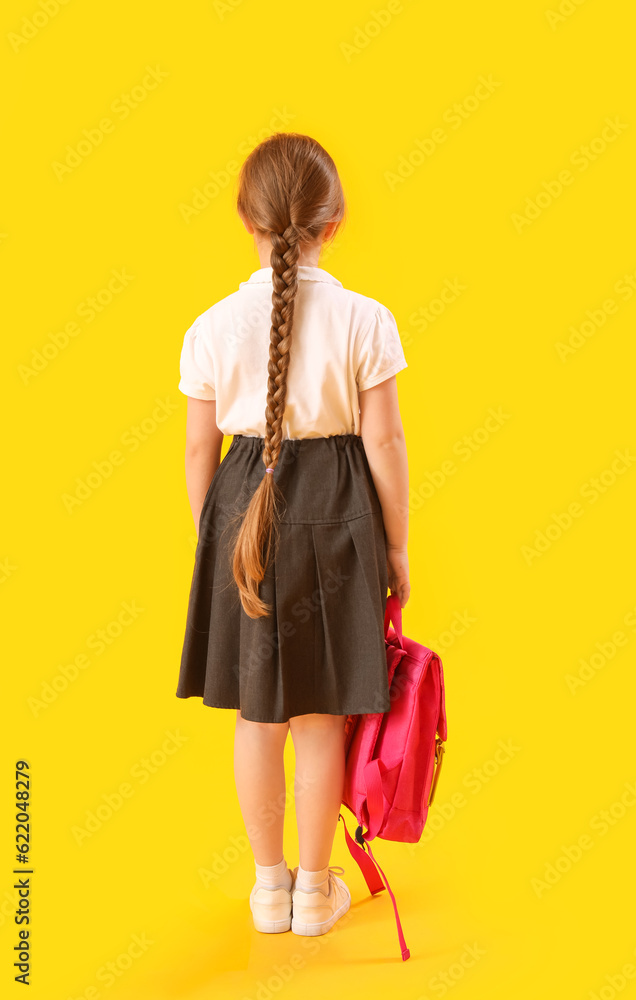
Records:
x=332, y=868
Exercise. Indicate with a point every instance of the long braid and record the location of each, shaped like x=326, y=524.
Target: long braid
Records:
x=259, y=528
x=285, y=253
x=288, y=189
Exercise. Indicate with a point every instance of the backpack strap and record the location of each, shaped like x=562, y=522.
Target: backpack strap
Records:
x=372, y=773
x=393, y=613
x=364, y=862
x=368, y=866
x=403, y=948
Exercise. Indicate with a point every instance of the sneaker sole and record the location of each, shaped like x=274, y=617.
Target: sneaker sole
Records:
x=312, y=930
x=271, y=926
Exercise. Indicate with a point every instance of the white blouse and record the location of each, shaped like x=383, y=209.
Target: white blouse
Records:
x=342, y=342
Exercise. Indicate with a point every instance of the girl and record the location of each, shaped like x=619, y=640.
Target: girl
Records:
x=303, y=525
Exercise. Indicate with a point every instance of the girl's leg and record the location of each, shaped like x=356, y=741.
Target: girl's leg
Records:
x=259, y=772
x=319, y=783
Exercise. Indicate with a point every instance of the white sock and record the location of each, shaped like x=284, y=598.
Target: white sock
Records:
x=274, y=876
x=308, y=881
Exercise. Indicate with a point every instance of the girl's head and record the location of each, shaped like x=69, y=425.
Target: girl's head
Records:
x=290, y=192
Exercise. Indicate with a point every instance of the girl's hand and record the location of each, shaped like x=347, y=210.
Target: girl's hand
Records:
x=397, y=564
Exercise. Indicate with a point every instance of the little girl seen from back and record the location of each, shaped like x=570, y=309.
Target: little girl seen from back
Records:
x=302, y=527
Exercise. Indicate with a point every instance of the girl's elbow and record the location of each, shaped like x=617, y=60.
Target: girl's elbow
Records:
x=197, y=449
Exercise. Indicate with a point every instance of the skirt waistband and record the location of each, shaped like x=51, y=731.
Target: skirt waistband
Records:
x=333, y=440
x=323, y=479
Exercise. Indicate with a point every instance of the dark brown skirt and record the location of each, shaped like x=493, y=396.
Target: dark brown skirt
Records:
x=322, y=649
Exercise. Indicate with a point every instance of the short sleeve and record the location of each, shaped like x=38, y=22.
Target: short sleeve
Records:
x=197, y=377
x=380, y=354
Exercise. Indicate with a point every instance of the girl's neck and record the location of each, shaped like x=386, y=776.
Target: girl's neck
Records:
x=308, y=257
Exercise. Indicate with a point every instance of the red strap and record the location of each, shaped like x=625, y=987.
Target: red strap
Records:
x=368, y=866
x=405, y=951
x=364, y=862
x=393, y=612
x=373, y=772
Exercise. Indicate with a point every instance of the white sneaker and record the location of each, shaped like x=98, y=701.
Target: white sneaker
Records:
x=314, y=912
x=271, y=909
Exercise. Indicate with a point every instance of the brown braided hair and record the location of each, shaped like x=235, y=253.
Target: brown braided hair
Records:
x=289, y=189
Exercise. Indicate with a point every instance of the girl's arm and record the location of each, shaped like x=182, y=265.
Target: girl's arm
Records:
x=202, y=452
x=385, y=446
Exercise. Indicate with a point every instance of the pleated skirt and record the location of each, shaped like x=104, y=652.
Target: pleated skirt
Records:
x=322, y=647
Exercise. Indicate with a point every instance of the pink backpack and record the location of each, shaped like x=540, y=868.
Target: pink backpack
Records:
x=393, y=758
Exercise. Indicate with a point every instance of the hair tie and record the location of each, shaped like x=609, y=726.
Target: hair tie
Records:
x=269, y=470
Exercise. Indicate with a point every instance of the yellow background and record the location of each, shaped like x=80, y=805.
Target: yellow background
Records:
x=368, y=95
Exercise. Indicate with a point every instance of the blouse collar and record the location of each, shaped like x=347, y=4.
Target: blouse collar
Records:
x=305, y=273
